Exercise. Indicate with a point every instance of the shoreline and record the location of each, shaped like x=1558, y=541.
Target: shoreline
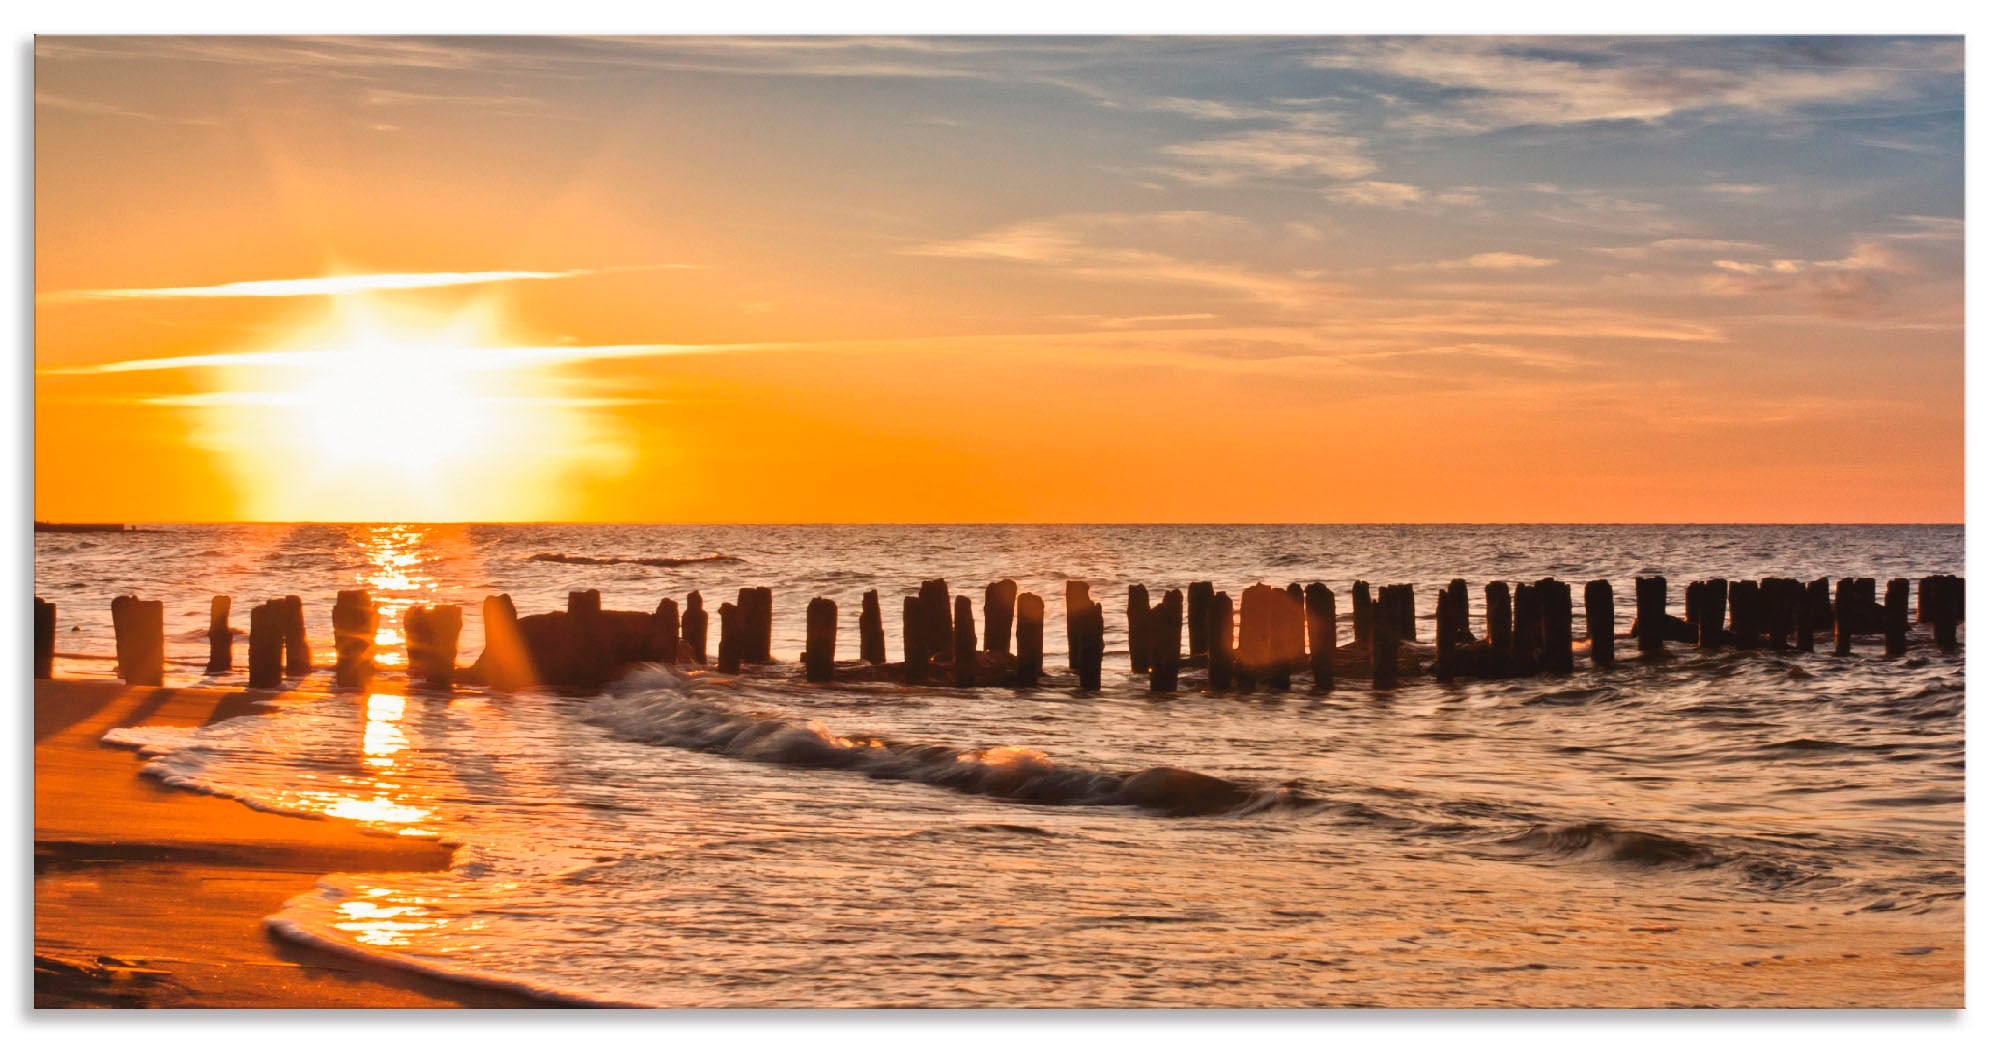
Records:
x=150, y=896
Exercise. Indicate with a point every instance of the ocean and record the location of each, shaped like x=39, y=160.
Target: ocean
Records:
x=1665, y=833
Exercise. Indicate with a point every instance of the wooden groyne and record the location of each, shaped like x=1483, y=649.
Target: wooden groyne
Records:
x=1200, y=639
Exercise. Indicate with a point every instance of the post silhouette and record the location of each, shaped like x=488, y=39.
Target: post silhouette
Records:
x=1163, y=647
x=1382, y=645
x=729, y=650
x=1087, y=653
x=298, y=654
x=1895, y=618
x=139, y=630
x=822, y=625
x=1221, y=650
x=1000, y=598
x=221, y=657
x=1322, y=633
x=665, y=637
x=965, y=644
x=1028, y=620
x=694, y=628
x=45, y=639
x=1138, y=610
x=267, y=644
x=874, y=648
x=430, y=634
x=1499, y=616
x=916, y=658
x=1648, y=624
x=1598, y=622
x=1198, y=595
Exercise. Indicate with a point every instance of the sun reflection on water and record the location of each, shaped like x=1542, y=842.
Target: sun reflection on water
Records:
x=397, y=577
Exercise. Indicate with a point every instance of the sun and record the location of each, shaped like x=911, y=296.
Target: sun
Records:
x=381, y=414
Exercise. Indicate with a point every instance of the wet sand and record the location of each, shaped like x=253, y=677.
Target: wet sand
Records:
x=146, y=896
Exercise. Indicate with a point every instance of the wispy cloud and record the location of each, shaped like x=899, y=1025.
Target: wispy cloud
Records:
x=334, y=285
x=462, y=360
x=1555, y=81
x=1497, y=261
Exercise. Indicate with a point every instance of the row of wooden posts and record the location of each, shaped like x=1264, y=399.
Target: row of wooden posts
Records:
x=1259, y=640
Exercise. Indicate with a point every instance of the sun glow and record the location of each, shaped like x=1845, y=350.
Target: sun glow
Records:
x=402, y=415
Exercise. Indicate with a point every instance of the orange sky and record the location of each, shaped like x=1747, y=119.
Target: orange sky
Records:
x=1006, y=280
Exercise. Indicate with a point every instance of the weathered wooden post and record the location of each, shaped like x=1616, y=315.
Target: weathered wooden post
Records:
x=1941, y=603
x=357, y=624
x=1000, y=598
x=753, y=606
x=1087, y=654
x=1199, y=594
x=964, y=644
x=1028, y=615
x=822, y=625
x=935, y=617
x=1499, y=617
x=1364, y=614
x=1648, y=623
x=1403, y=598
x=1076, y=602
x=1558, y=625
x=505, y=659
x=1775, y=593
x=1163, y=645
x=267, y=644
x=916, y=656
x=1598, y=621
x=1461, y=610
x=1843, y=617
x=1382, y=645
x=694, y=627
x=874, y=647
x=45, y=639
x=298, y=654
x=585, y=612
x=139, y=628
x=1895, y=618
x=1292, y=626
x=220, y=647
x=666, y=631
x=1254, y=654
x=1527, y=651
x=1802, y=616
x=1138, y=636
x=729, y=650
x=1711, y=631
x=1819, y=593
x=1323, y=633
x=1447, y=636
x=430, y=634
x=1221, y=644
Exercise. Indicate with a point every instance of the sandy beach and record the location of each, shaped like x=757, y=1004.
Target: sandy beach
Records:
x=146, y=896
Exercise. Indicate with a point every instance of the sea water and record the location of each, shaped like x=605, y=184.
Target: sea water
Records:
x=1656, y=833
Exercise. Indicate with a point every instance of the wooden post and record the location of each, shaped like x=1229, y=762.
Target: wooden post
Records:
x=1199, y=594
x=45, y=639
x=298, y=654
x=1499, y=617
x=1000, y=598
x=1292, y=628
x=935, y=618
x=1461, y=610
x=1254, y=654
x=1819, y=592
x=430, y=634
x=1163, y=644
x=1598, y=621
x=874, y=647
x=1895, y=618
x=1076, y=602
x=355, y=622
x=1364, y=614
x=1527, y=651
x=221, y=648
x=694, y=627
x=916, y=657
x=140, y=631
x=1087, y=655
x=1775, y=594
x=585, y=612
x=1802, y=616
x=267, y=644
x=1028, y=640
x=1138, y=634
x=729, y=650
x=1843, y=617
x=1402, y=597
x=753, y=605
x=1947, y=610
x=505, y=658
x=1558, y=625
x=822, y=626
x=1447, y=636
x=665, y=635
x=1221, y=646
x=1382, y=645
x=964, y=644
x=1711, y=631
x=1647, y=624
x=1322, y=631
